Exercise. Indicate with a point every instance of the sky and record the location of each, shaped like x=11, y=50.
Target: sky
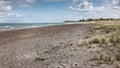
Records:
x=57, y=10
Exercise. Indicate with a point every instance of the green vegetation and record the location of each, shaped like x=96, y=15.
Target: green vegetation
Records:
x=105, y=59
x=84, y=43
x=105, y=28
x=113, y=38
x=100, y=19
x=118, y=56
x=109, y=34
x=118, y=66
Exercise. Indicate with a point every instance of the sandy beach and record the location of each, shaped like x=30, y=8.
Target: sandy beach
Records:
x=41, y=47
x=47, y=47
x=59, y=33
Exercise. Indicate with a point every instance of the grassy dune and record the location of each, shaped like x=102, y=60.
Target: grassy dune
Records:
x=109, y=37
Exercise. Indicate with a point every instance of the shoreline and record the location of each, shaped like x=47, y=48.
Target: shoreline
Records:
x=28, y=26
x=60, y=24
x=42, y=47
x=53, y=46
x=17, y=33
x=32, y=27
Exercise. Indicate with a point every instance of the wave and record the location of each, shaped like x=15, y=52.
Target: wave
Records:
x=4, y=26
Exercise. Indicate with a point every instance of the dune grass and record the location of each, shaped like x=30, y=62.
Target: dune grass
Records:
x=109, y=37
x=113, y=38
x=110, y=33
x=118, y=56
x=105, y=28
x=105, y=39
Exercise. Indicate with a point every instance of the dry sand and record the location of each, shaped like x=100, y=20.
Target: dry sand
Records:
x=47, y=47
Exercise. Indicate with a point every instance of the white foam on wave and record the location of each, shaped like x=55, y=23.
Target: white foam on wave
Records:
x=9, y=27
x=6, y=27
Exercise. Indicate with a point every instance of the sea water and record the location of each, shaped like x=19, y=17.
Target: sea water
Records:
x=4, y=26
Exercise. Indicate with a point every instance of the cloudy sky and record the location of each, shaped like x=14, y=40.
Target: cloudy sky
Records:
x=57, y=10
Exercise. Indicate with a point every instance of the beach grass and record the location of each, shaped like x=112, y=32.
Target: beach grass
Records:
x=109, y=34
x=105, y=28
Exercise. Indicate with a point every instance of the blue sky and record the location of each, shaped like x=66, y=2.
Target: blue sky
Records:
x=57, y=10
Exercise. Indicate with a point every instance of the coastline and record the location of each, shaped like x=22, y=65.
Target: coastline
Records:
x=47, y=25
x=53, y=47
x=24, y=45
x=14, y=26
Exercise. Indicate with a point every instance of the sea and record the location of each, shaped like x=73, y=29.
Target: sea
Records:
x=7, y=26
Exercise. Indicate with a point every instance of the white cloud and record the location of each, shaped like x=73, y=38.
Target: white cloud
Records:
x=6, y=7
x=11, y=17
x=31, y=1
x=10, y=14
x=20, y=3
x=112, y=4
x=53, y=0
x=99, y=8
x=74, y=1
x=82, y=6
x=116, y=4
x=87, y=5
x=88, y=9
x=14, y=15
x=25, y=3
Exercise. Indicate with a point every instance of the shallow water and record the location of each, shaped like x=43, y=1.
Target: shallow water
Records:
x=4, y=26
